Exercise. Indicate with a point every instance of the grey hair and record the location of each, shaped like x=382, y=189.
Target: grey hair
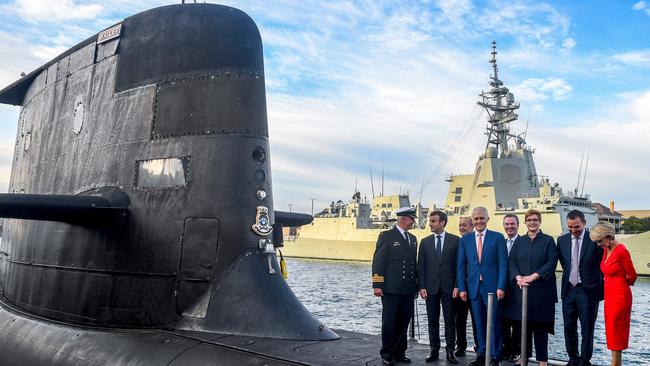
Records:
x=481, y=208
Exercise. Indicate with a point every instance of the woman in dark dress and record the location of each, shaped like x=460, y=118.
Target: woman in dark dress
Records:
x=532, y=264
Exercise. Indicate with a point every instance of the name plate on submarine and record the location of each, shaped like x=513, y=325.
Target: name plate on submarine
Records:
x=262, y=225
x=110, y=33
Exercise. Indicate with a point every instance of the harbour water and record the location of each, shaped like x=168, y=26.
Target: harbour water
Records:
x=340, y=295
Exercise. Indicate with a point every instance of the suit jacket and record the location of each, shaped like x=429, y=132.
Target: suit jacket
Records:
x=527, y=257
x=493, y=267
x=438, y=272
x=591, y=277
x=394, y=264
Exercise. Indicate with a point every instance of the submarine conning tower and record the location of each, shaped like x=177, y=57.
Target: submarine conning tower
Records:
x=140, y=193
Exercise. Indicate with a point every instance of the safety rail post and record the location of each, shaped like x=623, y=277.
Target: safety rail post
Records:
x=490, y=326
x=524, y=325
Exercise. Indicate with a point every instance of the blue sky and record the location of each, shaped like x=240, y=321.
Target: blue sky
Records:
x=353, y=83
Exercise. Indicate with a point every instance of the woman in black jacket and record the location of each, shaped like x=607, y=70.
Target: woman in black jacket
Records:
x=532, y=264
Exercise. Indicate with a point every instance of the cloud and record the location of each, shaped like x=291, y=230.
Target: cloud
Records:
x=568, y=43
x=637, y=58
x=639, y=6
x=616, y=143
x=536, y=89
x=54, y=10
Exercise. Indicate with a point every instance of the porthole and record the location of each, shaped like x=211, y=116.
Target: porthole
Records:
x=260, y=176
x=259, y=155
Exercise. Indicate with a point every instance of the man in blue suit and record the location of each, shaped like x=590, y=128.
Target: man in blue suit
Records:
x=482, y=269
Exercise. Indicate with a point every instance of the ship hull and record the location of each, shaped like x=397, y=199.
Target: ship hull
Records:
x=338, y=240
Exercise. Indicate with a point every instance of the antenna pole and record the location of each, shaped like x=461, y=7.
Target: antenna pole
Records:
x=584, y=178
x=312, y=205
x=382, y=178
x=372, y=185
x=582, y=157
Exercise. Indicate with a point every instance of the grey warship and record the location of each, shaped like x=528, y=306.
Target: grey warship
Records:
x=505, y=180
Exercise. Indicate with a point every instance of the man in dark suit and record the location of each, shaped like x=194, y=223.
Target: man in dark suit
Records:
x=482, y=269
x=511, y=329
x=437, y=281
x=394, y=279
x=582, y=287
x=463, y=308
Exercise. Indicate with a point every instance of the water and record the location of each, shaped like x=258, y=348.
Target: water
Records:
x=340, y=295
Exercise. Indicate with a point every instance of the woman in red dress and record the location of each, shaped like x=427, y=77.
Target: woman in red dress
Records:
x=619, y=274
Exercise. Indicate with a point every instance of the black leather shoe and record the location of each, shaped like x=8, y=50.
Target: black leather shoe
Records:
x=480, y=361
x=495, y=363
x=387, y=361
x=402, y=359
x=451, y=358
x=460, y=353
x=433, y=356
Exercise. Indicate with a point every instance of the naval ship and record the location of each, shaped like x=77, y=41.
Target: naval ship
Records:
x=505, y=181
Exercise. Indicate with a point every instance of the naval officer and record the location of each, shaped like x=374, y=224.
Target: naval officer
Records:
x=394, y=279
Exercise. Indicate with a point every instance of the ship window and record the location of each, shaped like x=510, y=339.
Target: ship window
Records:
x=390, y=205
x=383, y=205
x=459, y=190
x=162, y=173
x=457, y=199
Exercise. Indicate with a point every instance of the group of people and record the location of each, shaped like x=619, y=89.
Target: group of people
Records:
x=457, y=274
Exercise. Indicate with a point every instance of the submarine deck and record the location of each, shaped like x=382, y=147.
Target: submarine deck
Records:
x=351, y=349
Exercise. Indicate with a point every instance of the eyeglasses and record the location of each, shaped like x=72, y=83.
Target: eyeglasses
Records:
x=532, y=220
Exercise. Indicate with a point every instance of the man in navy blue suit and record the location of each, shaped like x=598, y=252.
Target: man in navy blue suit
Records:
x=582, y=287
x=482, y=269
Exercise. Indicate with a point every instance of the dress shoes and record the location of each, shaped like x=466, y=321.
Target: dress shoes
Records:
x=495, y=363
x=402, y=359
x=387, y=361
x=480, y=361
x=451, y=358
x=433, y=356
x=460, y=353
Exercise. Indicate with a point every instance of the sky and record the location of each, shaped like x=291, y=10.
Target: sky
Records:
x=355, y=86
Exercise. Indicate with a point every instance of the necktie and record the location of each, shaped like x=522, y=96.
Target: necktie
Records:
x=509, y=245
x=480, y=246
x=575, y=259
x=438, y=245
x=406, y=236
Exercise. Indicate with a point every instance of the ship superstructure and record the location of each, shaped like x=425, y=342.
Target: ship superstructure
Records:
x=505, y=181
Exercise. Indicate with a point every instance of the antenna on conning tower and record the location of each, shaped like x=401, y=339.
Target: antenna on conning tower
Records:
x=500, y=105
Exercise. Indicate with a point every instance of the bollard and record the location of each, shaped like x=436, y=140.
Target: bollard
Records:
x=488, y=331
x=524, y=324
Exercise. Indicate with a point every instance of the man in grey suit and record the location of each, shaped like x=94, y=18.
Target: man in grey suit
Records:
x=437, y=259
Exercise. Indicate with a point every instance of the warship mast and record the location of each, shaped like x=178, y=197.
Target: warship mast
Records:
x=500, y=105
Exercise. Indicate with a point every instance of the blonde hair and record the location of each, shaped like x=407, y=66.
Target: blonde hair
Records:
x=601, y=231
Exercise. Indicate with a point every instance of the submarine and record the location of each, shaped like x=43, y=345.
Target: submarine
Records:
x=139, y=226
